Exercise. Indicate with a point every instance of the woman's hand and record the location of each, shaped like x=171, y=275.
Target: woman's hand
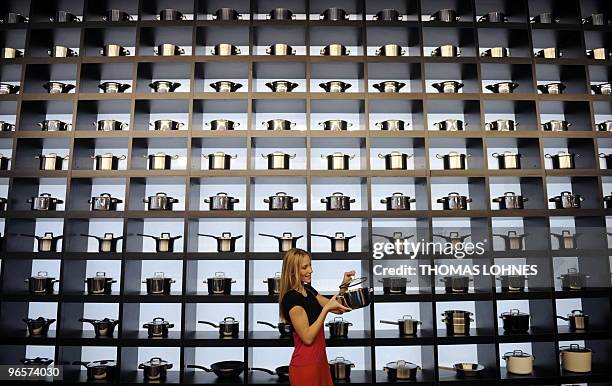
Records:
x=334, y=306
x=348, y=276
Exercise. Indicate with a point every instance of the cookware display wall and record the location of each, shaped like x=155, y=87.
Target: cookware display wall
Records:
x=194, y=105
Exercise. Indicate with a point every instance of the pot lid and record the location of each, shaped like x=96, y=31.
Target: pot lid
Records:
x=164, y=236
x=354, y=282
x=340, y=360
x=406, y=317
x=108, y=236
x=517, y=354
x=458, y=312
x=42, y=275
x=229, y=320
x=280, y=194
x=574, y=348
x=160, y=194
x=103, y=363
x=155, y=362
x=105, y=320
x=159, y=321
x=287, y=236
x=221, y=194
x=514, y=312
x=401, y=364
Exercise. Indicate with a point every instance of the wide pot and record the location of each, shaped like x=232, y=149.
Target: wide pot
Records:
x=222, y=124
x=339, y=242
x=6, y=88
x=407, y=326
x=61, y=52
x=221, y=202
x=164, y=86
x=274, y=284
x=338, y=161
x=155, y=369
x=556, y=125
x=158, y=327
x=38, y=327
x=493, y=17
x=573, y=280
x=10, y=53
x=337, y=201
x=596, y=19
x=280, y=201
x=567, y=200
x=225, y=49
x=392, y=125
x=390, y=49
x=102, y=327
x=335, y=125
x=58, y=87
x=515, y=321
x=117, y=15
x=114, y=50
x=335, y=86
x=335, y=49
x=226, y=14
x=389, y=86
x=225, y=243
x=448, y=87
x=457, y=322
x=107, y=161
x=394, y=284
x=280, y=13
x=563, y=160
x=225, y=86
x=446, y=15
x=501, y=125
x=44, y=202
x=54, y=125
x=160, y=201
x=446, y=51
x=575, y=358
x=608, y=158
x=401, y=370
x=340, y=368
x=41, y=284
x=512, y=283
x=281, y=86
x=602, y=88
x=13, y=18
x=104, y=370
x=544, y=18
x=228, y=328
x=160, y=161
x=113, y=87
x=496, y=52
x=338, y=327
x=285, y=242
x=357, y=297
x=600, y=53
x=220, y=161
x=278, y=160
x=551, y=88
x=285, y=329
x=51, y=161
x=168, y=49
x=388, y=14
x=502, y=87
x=510, y=200
x=454, y=201
x=578, y=320
x=107, y=243
x=280, y=49
x=100, y=284
x=278, y=124
x=104, y=202
x=334, y=14
x=397, y=201
x=170, y=14
x=450, y=125
x=518, y=362
x=45, y=243
x=456, y=284
x=219, y=284
x=395, y=160
x=64, y=17
x=508, y=160
x=163, y=243
x=109, y=125
x=158, y=284
x=549, y=53
x=453, y=160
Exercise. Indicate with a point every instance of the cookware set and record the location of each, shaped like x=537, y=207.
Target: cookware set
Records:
x=100, y=284
x=102, y=327
x=38, y=327
x=163, y=243
x=285, y=242
x=510, y=200
x=158, y=327
x=219, y=284
x=45, y=243
x=41, y=284
x=578, y=320
x=158, y=284
x=407, y=326
x=573, y=280
x=44, y=202
x=228, y=327
x=104, y=370
x=225, y=243
x=515, y=321
x=567, y=200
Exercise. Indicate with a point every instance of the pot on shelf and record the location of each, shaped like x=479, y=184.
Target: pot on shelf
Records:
x=220, y=160
x=166, y=125
x=44, y=202
x=335, y=125
x=117, y=15
x=549, y=53
x=278, y=160
x=158, y=284
x=397, y=201
x=339, y=242
x=285, y=242
x=551, y=88
x=41, y=284
x=573, y=280
x=13, y=18
x=453, y=160
x=563, y=160
x=10, y=53
x=545, y=18
x=6, y=88
x=601, y=53
x=113, y=87
x=280, y=49
x=608, y=158
x=226, y=14
x=104, y=370
x=340, y=368
x=58, y=87
x=278, y=124
x=388, y=14
x=567, y=200
x=338, y=327
x=565, y=239
x=285, y=329
x=163, y=86
x=508, y=160
x=281, y=86
x=158, y=327
x=401, y=370
x=407, y=325
x=160, y=161
x=575, y=358
x=456, y=284
x=394, y=284
x=222, y=124
x=109, y=125
x=221, y=202
x=100, y=284
x=457, y=322
x=225, y=49
x=390, y=49
x=274, y=284
x=168, y=49
x=155, y=369
x=225, y=243
x=54, y=125
x=334, y=14
x=337, y=161
x=170, y=14
x=160, y=201
x=219, y=284
x=493, y=17
x=519, y=362
x=114, y=50
x=512, y=283
x=496, y=52
x=450, y=125
x=448, y=87
x=395, y=160
x=602, y=88
x=228, y=327
x=163, y=243
x=51, y=161
x=280, y=201
x=446, y=51
x=596, y=19
x=62, y=52
x=102, y=327
x=335, y=86
x=502, y=87
x=515, y=321
x=38, y=327
x=107, y=243
x=337, y=201
x=445, y=15
x=225, y=86
x=104, y=202
x=45, y=243
x=64, y=17
x=225, y=370
x=392, y=125
x=107, y=161
x=389, y=86
x=280, y=13
x=454, y=201
x=510, y=200
x=578, y=320
x=556, y=125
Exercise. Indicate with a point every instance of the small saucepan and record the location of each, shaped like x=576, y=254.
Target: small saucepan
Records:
x=158, y=327
x=407, y=325
x=219, y=284
x=577, y=319
x=285, y=329
x=163, y=243
x=339, y=242
x=228, y=328
x=225, y=243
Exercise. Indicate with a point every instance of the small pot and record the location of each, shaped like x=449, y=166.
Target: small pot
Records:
x=456, y=284
x=51, y=161
x=107, y=161
x=278, y=160
x=573, y=280
x=64, y=17
x=221, y=202
x=602, y=88
x=41, y=284
x=395, y=160
x=496, y=52
x=163, y=243
x=104, y=370
x=225, y=243
x=389, y=86
x=155, y=369
x=513, y=283
x=392, y=125
x=285, y=242
x=62, y=52
x=280, y=201
x=501, y=125
x=445, y=15
x=600, y=53
x=222, y=124
x=113, y=87
x=340, y=368
x=13, y=18
x=596, y=19
x=278, y=124
x=338, y=328
x=164, y=86
x=225, y=86
x=280, y=13
x=160, y=201
x=508, y=160
x=274, y=284
x=117, y=15
x=556, y=125
x=388, y=14
x=448, y=87
x=575, y=358
x=401, y=370
x=160, y=161
x=502, y=87
x=168, y=49
x=407, y=325
x=551, y=88
x=338, y=161
x=53, y=125
x=518, y=362
x=510, y=200
x=515, y=321
x=107, y=243
x=335, y=49
x=100, y=284
x=608, y=158
x=357, y=298
x=335, y=125
x=334, y=14
x=446, y=51
x=45, y=243
x=58, y=87
x=220, y=161
x=545, y=18
x=563, y=160
x=450, y=125
x=549, y=53
x=6, y=88
x=226, y=14
x=104, y=202
x=457, y=322
x=567, y=200
x=337, y=201
x=158, y=327
x=454, y=201
x=285, y=329
x=170, y=14
x=4, y=162
x=109, y=125
x=493, y=17
x=225, y=49
x=219, y=284
x=578, y=320
x=281, y=86
x=335, y=86
x=280, y=49
x=114, y=50
x=38, y=327
x=390, y=50
x=102, y=327
x=394, y=284
x=228, y=328
x=10, y=53
x=158, y=284
x=565, y=239
x=453, y=160
x=339, y=243
x=44, y=202
x=397, y=201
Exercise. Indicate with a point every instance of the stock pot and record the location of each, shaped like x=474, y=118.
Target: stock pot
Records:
x=338, y=327
x=446, y=51
x=502, y=87
x=278, y=160
x=44, y=202
x=397, y=201
x=390, y=50
x=454, y=201
x=222, y=124
x=220, y=161
x=160, y=161
x=493, y=17
x=107, y=161
x=113, y=87
x=549, y=53
x=338, y=161
x=219, y=284
x=221, y=202
x=450, y=125
x=389, y=86
x=226, y=14
x=395, y=160
x=170, y=14
x=109, y=125
x=51, y=161
x=551, y=88
x=453, y=160
x=448, y=87
x=38, y=327
x=519, y=362
x=515, y=321
x=392, y=125
x=567, y=200
x=337, y=201
x=158, y=284
x=496, y=52
x=113, y=50
x=168, y=49
x=510, y=200
x=54, y=125
x=41, y=284
x=334, y=14
x=281, y=86
x=160, y=201
x=61, y=52
x=100, y=284
x=158, y=327
x=508, y=160
x=575, y=358
x=116, y=15
x=388, y=14
x=225, y=86
x=563, y=160
x=280, y=201
x=225, y=49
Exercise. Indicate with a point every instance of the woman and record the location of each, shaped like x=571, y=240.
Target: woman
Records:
x=305, y=309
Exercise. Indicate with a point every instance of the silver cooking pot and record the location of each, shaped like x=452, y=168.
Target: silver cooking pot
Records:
x=596, y=19
x=38, y=327
x=602, y=88
x=280, y=201
x=104, y=202
x=6, y=126
x=226, y=14
x=222, y=124
x=113, y=87
x=446, y=15
x=64, y=17
x=219, y=160
x=281, y=86
x=225, y=243
x=337, y=201
x=446, y=51
x=6, y=88
x=225, y=49
x=102, y=327
x=551, y=88
x=163, y=243
x=335, y=86
x=510, y=200
x=508, y=160
x=545, y=18
x=565, y=239
x=117, y=15
x=397, y=201
x=390, y=49
x=114, y=50
x=608, y=158
x=219, y=284
x=225, y=86
x=454, y=201
x=44, y=202
x=61, y=52
x=54, y=125
x=573, y=280
x=41, y=284
x=450, y=125
x=392, y=125
x=448, y=87
x=453, y=160
x=567, y=200
x=395, y=160
x=493, y=17
x=340, y=368
x=45, y=243
x=335, y=49
x=563, y=160
x=13, y=18
x=170, y=14
x=160, y=201
x=166, y=125
x=280, y=13
x=407, y=325
x=501, y=125
x=549, y=53
x=58, y=87
x=109, y=125
x=100, y=284
x=274, y=284
x=278, y=160
x=502, y=87
x=335, y=125
x=10, y=53
x=51, y=161
x=229, y=327
x=389, y=86
x=334, y=14
x=339, y=242
x=280, y=49
x=556, y=125
x=337, y=161
x=577, y=319
x=338, y=327
x=107, y=161
x=164, y=86
x=285, y=242
x=158, y=284
x=158, y=327
x=221, y=202
x=168, y=49
x=496, y=52
x=160, y=161
x=279, y=124
x=600, y=53
x=155, y=369
x=357, y=297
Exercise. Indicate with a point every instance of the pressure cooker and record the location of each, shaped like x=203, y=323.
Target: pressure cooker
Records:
x=44, y=202
x=104, y=202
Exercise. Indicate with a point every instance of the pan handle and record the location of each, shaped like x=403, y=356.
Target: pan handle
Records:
x=267, y=235
x=563, y=317
x=318, y=235
x=209, y=323
x=389, y=322
x=447, y=368
x=262, y=369
x=267, y=324
x=199, y=367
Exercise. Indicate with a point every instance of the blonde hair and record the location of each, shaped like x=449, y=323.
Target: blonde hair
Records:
x=290, y=276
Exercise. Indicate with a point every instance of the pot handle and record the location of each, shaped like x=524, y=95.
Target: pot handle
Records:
x=389, y=322
x=261, y=368
x=318, y=235
x=563, y=317
x=206, y=235
x=199, y=367
x=209, y=323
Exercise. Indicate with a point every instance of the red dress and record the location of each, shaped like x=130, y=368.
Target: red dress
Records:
x=309, y=366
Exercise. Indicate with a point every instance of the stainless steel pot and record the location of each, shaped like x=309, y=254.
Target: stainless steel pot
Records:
x=103, y=328
x=388, y=14
x=576, y=359
x=219, y=284
x=117, y=15
x=163, y=243
x=280, y=201
x=338, y=327
x=513, y=283
x=160, y=201
x=397, y=201
x=567, y=200
x=107, y=161
x=450, y=125
x=41, y=284
x=107, y=243
x=401, y=370
x=61, y=52
x=335, y=49
x=6, y=88
x=448, y=87
x=64, y=17
x=100, y=285
x=58, y=87
x=556, y=125
x=221, y=202
x=280, y=49
x=51, y=161
x=335, y=125
x=164, y=86
x=13, y=18
x=337, y=161
x=113, y=87
x=508, y=160
x=53, y=125
x=280, y=13
x=225, y=49
x=225, y=86
x=596, y=19
x=334, y=14
x=335, y=86
x=502, y=87
x=337, y=201
x=158, y=327
x=44, y=202
x=454, y=201
x=219, y=160
x=456, y=284
x=225, y=243
x=549, y=53
x=339, y=242
x=45, y=243
x=512, y=242
x=278, y=160
x=446, y=51
x=515, y=321
x=602, y=88
x=453, y=160
x=496, y=52
x=394, y=284
x=158, y=284
x=281, y=86
x=38, y=327
x=445, y=15
x=278, y=124
x=392, y=125
x=493, y=17
x=390, y=49
x=285, y=242
x=160, y=161
x=551, y=88
x=501, y=125
x=222, y=124
x=168, y=49
x=395, y=160
x=565, y=239
x=357, y=297
x=274, y=284
x=340, y=368
x=226, y=14
x=573, y=280
x=578, y=320
x=10, y=53
x=155, y=369
x=608, y=158
x=601, y=53
x=228, y=328
x=170, y=14
x=109, y=125
x=510, y=200
x=114, y=50
x=563, y=160
x=389, y=86
x=457, y=322
x=407, y=325
x=519, y=362
x=545, y=18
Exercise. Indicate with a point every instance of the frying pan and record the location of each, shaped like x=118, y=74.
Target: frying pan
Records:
x=223, y=369
x=281, y=372
x=465, y=369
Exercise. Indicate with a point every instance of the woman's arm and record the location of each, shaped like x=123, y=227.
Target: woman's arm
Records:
x=299, y=319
